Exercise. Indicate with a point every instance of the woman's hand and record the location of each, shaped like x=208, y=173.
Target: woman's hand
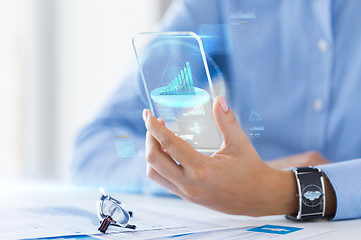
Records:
x=234, y=180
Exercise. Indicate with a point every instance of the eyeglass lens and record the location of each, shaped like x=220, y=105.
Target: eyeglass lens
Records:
x=118, y=214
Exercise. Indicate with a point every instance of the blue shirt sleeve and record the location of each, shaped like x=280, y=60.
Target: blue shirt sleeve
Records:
x=346, y=181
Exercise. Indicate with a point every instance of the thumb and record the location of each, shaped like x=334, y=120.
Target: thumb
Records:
x=227, y=123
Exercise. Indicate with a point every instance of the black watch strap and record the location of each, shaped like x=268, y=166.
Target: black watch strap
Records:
x=311, y=193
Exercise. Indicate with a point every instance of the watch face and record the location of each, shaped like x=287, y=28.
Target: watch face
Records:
x=312, y=195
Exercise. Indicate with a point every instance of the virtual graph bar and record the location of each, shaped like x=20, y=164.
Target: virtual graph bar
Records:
x=182, y=83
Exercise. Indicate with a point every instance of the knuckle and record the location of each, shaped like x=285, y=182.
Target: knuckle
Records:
x=165, y=141
x=233, y=120
x=150, y=157
x=200, y=175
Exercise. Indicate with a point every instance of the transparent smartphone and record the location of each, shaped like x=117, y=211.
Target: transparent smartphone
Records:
x=178, y=85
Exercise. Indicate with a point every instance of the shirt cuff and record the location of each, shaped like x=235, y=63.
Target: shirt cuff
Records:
x=345, y=177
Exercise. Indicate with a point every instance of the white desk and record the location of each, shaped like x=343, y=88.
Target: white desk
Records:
x=58, y=195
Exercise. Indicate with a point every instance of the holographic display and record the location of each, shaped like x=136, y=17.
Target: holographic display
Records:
x=181, y=92
x=182, y=84
x=256, y=124
x=125, y=149
x=177, y=81
x=254, y=116
x=125, y=146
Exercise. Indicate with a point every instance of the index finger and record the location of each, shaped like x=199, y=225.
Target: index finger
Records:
x=175, y=146
x=161, y=161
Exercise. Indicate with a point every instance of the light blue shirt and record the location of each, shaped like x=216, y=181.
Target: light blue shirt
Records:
x=293, y=66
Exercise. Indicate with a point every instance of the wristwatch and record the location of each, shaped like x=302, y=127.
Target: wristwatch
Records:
x=311, y=194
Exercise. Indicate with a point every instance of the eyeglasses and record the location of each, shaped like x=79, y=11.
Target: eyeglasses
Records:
x=111, y=212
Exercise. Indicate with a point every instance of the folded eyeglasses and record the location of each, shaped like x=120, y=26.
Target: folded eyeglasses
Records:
x=111, y=212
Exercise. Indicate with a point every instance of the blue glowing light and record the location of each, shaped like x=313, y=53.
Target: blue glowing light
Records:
x=180, y=101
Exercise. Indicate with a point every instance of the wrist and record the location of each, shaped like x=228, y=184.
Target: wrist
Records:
x=281, y=192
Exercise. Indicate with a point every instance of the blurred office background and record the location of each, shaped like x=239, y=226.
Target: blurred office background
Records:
x=59, y=61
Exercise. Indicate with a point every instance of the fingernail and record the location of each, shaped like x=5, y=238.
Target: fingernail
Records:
x=145, y=114
x=223, y=104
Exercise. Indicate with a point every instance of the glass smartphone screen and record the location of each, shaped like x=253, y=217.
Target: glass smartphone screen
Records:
x=178, y=85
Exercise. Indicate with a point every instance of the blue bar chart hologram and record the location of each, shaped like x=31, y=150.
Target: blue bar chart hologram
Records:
x=182, y=83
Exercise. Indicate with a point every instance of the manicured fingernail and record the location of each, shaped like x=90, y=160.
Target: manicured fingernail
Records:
x=145, y=114
x=223, y=104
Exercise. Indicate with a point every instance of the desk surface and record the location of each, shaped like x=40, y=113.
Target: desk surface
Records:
x=13, y=197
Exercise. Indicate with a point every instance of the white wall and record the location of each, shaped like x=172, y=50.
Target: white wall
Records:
x=10, y=132
x=59, y=62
